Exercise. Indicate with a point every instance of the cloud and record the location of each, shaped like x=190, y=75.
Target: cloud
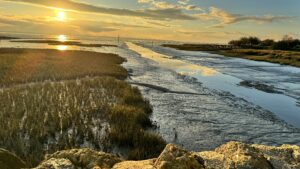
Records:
x=145, y=1
x=160, y=14
x=225, y=18
x=182, y=4
x=51, y=26
x=161, y=10
x=42, y=25
x=11, y=20
x=95, y=28
x=160, y=24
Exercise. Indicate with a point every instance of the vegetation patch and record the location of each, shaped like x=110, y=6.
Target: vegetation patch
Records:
x=37, y=65
x=78, y=100
x=274, y=56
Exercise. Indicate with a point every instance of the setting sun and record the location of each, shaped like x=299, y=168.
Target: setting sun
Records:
x=60, y=16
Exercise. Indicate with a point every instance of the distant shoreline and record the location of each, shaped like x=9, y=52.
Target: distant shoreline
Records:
x=69, y=43
x=282, y=57
x=7, y=38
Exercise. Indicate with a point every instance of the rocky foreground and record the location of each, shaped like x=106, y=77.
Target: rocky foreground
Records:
x=232, y=155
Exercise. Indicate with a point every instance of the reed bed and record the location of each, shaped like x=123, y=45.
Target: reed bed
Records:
x=78, y=99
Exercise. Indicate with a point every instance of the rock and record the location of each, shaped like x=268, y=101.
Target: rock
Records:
x=232, y=155
x=10, y=161
x=212, y=160
x=87, y=158
x=54, y=163
x=145, y=164
x=243, y=156
x=174, y=157
x=284, y=157
x=296, y=155
x=235, y=155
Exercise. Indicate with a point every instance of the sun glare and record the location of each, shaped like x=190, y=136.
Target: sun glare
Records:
x=62, y=38
x=60, y=16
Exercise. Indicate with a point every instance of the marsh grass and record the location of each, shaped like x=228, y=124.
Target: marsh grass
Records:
x=36, y=65
x=78, y=100
x=275, y=56
x=284, y=57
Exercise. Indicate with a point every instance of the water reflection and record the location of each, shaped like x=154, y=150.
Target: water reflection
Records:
x=62, y=47
x=182, y=67
x=62, y=38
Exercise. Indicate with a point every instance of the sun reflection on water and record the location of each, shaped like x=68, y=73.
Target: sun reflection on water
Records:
x=62, y=47
x=61, y=39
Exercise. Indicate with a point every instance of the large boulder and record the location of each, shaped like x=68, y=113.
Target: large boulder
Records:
x=54, y=163
x=235, y=155
x=283, y=157
x=174, y=157
x=243, y=156
x=10, y=161
x=83, y=158
x=144, y=164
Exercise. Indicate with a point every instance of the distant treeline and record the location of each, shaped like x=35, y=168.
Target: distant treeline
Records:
x=287, y=43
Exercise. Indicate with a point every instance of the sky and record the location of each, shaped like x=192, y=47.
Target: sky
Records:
x=206, y=21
